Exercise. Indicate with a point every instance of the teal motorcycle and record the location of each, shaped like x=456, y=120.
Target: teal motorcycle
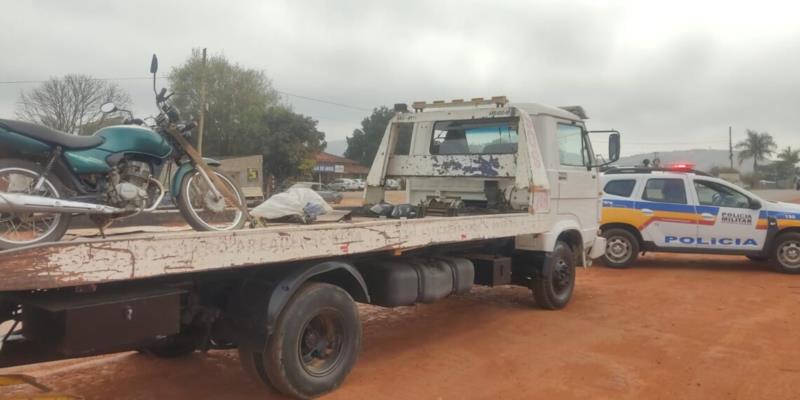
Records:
x=48, y=176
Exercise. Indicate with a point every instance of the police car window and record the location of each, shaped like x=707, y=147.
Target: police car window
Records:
x=571, y=146
x=715, y=194
x=665, y=191
x=483, y=136
x=620, y=187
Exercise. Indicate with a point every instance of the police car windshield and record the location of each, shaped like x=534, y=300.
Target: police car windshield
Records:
x=737, y=189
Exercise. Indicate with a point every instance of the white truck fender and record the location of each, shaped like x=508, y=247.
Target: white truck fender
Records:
x=546, y=241
x=592, y=245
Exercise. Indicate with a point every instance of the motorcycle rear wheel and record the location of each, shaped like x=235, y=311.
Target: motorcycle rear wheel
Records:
x=25, y=229
x=196, y=205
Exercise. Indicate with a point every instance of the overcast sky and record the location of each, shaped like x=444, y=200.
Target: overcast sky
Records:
x=668, y=75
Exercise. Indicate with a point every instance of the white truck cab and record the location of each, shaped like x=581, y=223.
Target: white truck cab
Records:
x=678, y=209
x=493, y=156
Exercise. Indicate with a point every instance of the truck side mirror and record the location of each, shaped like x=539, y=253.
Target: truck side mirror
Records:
x=613, y=147
x=755, y=204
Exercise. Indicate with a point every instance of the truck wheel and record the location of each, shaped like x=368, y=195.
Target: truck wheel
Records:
x=555, y=280
x=787, y=253
x=315, y=345
x=622, y=248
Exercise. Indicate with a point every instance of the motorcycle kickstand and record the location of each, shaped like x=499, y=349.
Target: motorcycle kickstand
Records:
x=102, y=223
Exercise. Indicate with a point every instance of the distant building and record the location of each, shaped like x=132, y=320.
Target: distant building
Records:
x=329, y=167
x=247, y=172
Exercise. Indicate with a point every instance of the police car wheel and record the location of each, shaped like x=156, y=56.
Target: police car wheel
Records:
x=555, y=279
x=787, y=253
x=622, y=248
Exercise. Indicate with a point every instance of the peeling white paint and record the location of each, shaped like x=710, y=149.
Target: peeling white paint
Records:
x=145, y=256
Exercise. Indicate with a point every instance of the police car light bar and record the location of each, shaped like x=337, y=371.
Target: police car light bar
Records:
x=497, y=101
x=681, y=167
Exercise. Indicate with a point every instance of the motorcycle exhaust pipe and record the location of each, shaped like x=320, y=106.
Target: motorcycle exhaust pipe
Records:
x=23, y=203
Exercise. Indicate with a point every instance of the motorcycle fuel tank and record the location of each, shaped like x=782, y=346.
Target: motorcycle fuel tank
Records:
x=118, y=139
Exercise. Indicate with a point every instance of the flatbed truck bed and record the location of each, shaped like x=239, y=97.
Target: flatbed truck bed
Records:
x=150, y=255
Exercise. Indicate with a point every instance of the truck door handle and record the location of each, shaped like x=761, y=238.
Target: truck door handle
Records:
x=707, y=216
x=647, y=211
x=562, y=176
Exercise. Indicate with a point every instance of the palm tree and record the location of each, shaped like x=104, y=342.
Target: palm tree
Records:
x=788, y=162
x=757, y=146
x=789, y=157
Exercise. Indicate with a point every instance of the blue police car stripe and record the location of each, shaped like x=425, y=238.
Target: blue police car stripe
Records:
x=656, y=206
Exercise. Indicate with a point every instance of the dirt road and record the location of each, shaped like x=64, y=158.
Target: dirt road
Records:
x=676, y=326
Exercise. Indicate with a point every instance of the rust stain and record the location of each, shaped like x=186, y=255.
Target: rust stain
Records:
x=129, y=252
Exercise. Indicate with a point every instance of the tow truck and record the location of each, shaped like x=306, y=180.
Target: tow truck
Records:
x=682, y=210
x=502, y=194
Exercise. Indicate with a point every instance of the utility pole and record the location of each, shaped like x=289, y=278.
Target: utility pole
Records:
x=203, y=105
x=730, y=145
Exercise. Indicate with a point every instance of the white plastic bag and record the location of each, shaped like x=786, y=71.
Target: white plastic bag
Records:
x=297, y=202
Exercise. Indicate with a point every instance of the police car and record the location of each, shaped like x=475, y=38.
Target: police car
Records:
x=678, y=209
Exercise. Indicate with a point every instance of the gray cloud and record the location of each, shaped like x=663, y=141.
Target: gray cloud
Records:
x=667, y=75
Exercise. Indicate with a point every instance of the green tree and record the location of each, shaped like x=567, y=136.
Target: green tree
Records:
x=245, y=117
x=288, y=142
x=787, y=164
x=363, y=144
x=789, y=156
x=757, y=146
x=70, y=104
x=237, y=98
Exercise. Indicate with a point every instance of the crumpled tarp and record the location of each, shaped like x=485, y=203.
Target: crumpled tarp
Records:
x=301, y=203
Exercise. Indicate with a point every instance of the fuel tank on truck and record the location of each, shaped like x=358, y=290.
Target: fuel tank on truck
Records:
x=118, y=139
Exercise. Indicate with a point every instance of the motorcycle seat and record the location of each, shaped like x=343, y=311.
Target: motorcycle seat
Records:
x=51, y=136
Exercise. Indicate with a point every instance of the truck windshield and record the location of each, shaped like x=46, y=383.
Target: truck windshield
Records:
x=487, y=136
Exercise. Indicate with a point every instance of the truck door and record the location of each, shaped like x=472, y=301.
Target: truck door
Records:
x=668, y=220
x=727, y=221
x=578, y=185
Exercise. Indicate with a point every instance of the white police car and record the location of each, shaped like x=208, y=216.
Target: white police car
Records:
x=681, y=210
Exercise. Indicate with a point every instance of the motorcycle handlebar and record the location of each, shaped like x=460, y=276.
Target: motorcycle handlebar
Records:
x=189, y=126
x=160, y=96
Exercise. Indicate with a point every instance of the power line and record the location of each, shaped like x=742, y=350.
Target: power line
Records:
x=130, y=78
x=324, y=101
x=318, y=100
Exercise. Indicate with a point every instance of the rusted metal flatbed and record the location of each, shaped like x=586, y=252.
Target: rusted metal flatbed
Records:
x=148, y=255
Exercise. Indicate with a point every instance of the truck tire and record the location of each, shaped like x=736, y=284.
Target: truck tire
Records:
x=555, y=279
x=315, y=345
x=786, y=258
x=622, y=248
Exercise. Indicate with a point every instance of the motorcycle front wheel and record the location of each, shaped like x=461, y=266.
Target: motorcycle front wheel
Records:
x=203, y=211
x=19, y=229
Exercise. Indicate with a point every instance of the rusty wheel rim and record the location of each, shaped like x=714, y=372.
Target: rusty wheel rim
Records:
x=24, y=228
x=321, y=342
